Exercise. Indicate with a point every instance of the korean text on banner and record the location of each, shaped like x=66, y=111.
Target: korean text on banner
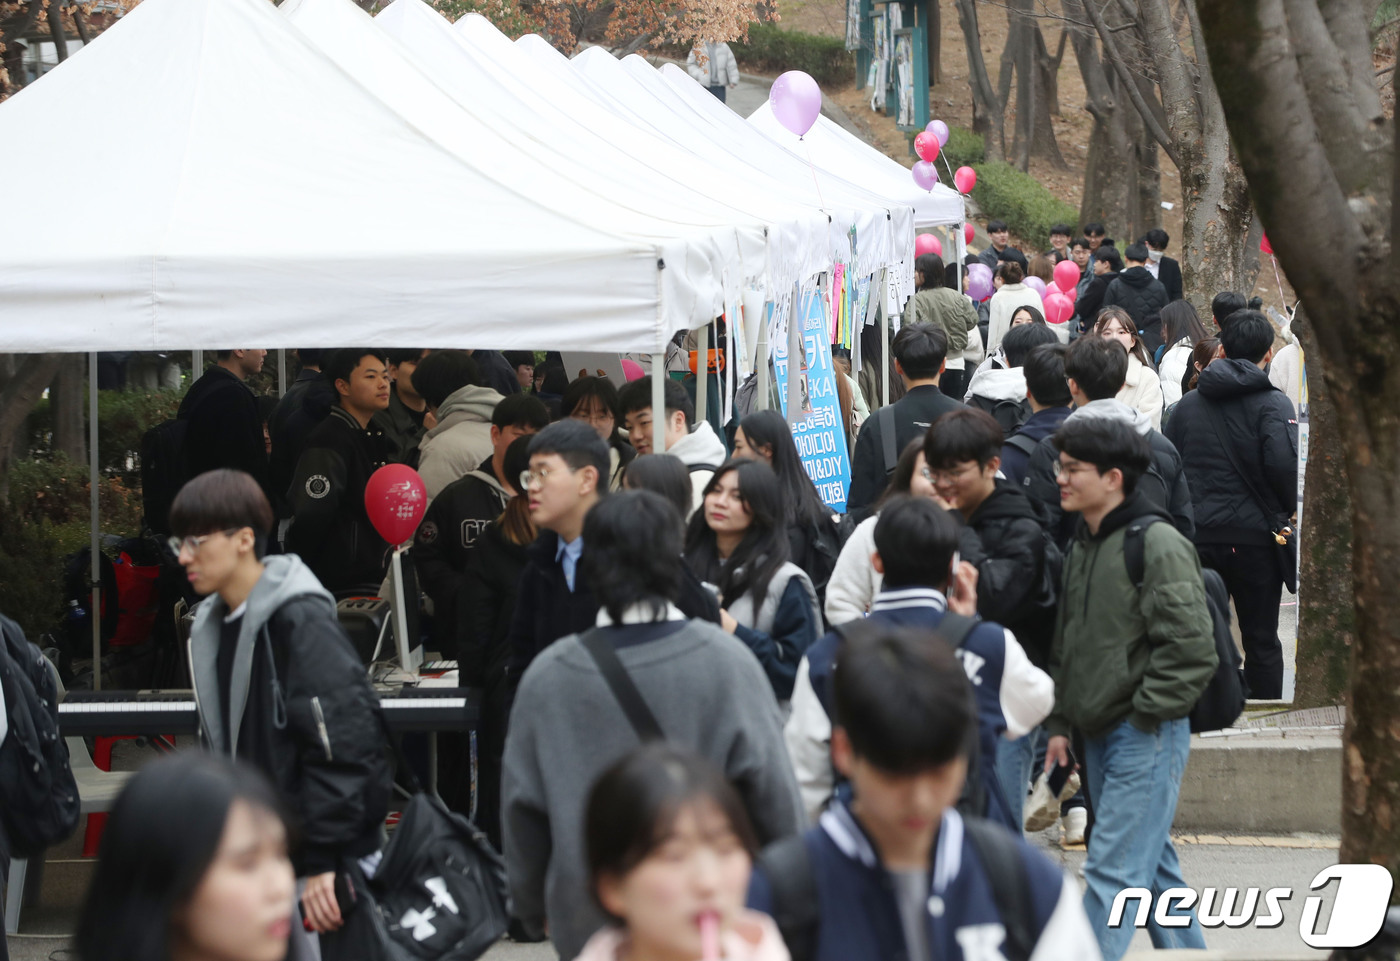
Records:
x=816, y=420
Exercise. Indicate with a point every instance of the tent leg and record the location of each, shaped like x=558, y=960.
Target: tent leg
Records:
x=95, y=608
x=196, y=365
x=281, y=372
x=658, y=403
x=760, y=360
x=702, y=376
x=884, y=354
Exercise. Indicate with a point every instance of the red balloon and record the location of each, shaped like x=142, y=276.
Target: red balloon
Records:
x=1058, y=308
x=1066, y=275
x=927, y=244
x=965, y=178
x=395, y=500
x=968, y=233
x=926, y=146
x=1265, y=246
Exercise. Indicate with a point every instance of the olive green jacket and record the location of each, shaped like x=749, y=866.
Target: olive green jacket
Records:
x=947, y=309
x=1123, y=653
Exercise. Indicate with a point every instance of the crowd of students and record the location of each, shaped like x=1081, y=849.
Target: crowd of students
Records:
x=714, y=712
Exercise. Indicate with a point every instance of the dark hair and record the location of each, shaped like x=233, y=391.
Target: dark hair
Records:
x=960, y=436
x=1135, y=252
x=633, y=804
x=903, y=477
x=1226, y=303
x=555, y=382
x=1098, y=365
x=1064, y=229
x=222, y=354
x=1026, y=338
x=520, y=410
x=1010, y=253
x=917, y=540
x=1079, y=242
x=515, y=520
x=578, y=445
x=1094, y=228
x=902, y=698
x=405, y=355
x=1255, y=303
x=1179, y=319
x=764, y=548
x=1108, y=445
x=341, y=364
x=1247, y=335
x=1109, y=255
x=222, y=500
x=1203, y=353
x=931, y=266
x=518, y=358
x=1125, y=320
x=632, y=552
x=161, y=837
x=444, y=372
x=995, y=226
x=768, y=428
x=311, y=356
x=1011, y=272
x=600, y=388
x=920, y=350
x=636, y=395
x=1157, y=237
x=1045, y=375
x=664, y=475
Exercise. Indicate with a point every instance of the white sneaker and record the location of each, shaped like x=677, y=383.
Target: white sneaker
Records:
x=1076, y=820
x=1043, y=808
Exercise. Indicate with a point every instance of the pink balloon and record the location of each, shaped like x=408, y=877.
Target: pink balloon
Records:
x=1066, y=275
x=395, y=500
x=632, y=370
x=1036, y=284
x=1265, y=246
x=1049, y=290
x=940, y=130
x=1058, y=308
x=925, y=174
x=968, y=233
x=965, y=178
x=927, y=244
x=926, y=146
x=979, y=282
x=796, y=100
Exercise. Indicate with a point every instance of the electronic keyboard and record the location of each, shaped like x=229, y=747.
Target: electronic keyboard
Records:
x=151, y=713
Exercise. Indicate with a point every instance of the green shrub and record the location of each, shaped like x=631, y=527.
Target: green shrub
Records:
x=964, y=148
x=122, y=417
x=1029, y=209
x=771, y=50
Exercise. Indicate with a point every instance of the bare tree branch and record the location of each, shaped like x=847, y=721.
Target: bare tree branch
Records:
x=1112, y=54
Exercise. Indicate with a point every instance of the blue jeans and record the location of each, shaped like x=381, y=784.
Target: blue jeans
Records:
x=1134, y=779
x=1014, y=759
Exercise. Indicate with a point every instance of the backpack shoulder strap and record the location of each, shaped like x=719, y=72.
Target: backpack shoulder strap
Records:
x=1134, y=549
x=885, y=417
x=788, y=866
x=628, y=697
x=954, y=628
x=1022, y=443
x=694, y=468
x=1006, y=872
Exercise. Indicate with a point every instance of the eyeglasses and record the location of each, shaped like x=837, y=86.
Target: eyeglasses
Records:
x=946, y=476
x=1060, y=468
x=195, y=542
x=528, y=477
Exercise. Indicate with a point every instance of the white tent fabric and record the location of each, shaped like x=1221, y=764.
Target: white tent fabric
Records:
x=575, y=130
x=727, y=247
x=261, y=197
x=838, y=151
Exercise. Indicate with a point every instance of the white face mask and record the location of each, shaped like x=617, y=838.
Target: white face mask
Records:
x=1154, y=255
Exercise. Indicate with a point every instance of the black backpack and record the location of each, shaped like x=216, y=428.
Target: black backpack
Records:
x=164, y=470
x=39, y=803
x=1222, y=702
x=1010, y=414
x=796, y=906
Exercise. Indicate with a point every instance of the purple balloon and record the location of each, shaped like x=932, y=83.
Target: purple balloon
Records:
x=796, y=100
x=979, y=282
x=1036, y=284
x=925, y=174
x=940, y=130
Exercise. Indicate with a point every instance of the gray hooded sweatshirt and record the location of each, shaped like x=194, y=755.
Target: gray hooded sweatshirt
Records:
x=460, y=441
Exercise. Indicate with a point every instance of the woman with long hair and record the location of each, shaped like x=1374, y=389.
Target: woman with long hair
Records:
x=1012, y=294
x=1201, y=355
x=593, y=400
x=193, y=865
x=738, y=543
x=1182, y=330
x=764, y=435
x=1142, y=390
x=934, y=303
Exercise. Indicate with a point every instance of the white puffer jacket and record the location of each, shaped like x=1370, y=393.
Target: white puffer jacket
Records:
x=854, y=581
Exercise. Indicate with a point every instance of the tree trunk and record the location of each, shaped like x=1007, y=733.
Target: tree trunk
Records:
x=66, y=402
x=988, y=118
x=1326, y=610
x=1045, y=101
x=33, y=373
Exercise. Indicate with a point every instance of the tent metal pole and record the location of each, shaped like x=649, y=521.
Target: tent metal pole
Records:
x=658, y=403
x=884, y=349
x=281, y=372
x=95, y=607
x=197, y=365
x=702, y=375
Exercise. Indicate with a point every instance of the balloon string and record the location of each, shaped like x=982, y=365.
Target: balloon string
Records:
x=813, y=168
x=1279, y=280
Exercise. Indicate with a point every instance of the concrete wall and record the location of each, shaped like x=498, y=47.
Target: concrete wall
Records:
x=1265, y=783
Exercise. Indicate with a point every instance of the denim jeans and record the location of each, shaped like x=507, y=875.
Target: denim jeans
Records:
x=1134, y=779
x=1014, y=759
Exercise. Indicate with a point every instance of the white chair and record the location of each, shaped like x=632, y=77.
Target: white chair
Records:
x=97, y=792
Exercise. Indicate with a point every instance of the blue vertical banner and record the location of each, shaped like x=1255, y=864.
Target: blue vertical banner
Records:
x=815, y=412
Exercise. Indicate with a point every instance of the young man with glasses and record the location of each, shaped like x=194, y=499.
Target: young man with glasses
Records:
x=278, y=686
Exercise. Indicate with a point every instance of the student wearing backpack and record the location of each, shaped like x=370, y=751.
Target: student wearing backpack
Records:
x=898, y=871
x=948, y=309
x=925, y=588
x=1049, y=399
x=1095, y=368
x=225, y=427
x=1129, y=665
x=1001, y=391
